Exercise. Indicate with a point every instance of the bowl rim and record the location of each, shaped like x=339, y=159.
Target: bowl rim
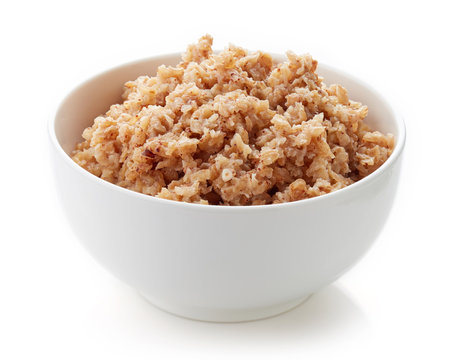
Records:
x=398, y=148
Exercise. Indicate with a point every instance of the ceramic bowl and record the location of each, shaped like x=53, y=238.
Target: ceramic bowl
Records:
x=219, y=263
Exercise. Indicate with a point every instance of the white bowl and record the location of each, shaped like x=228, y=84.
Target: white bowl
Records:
x=219, y=263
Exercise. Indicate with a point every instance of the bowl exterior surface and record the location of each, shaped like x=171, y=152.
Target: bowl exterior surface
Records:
x=207, y=262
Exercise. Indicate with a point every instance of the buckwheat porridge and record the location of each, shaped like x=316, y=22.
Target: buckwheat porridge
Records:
x=233, y=128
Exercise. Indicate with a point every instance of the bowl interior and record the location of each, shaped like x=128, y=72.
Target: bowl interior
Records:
x=94, y=97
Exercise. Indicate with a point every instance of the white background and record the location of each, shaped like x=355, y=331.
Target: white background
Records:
x=57, y=303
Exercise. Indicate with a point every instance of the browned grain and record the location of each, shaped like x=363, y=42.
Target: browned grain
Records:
x=233, y=129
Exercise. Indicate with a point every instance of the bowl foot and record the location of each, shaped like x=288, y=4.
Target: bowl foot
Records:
x=225, y=315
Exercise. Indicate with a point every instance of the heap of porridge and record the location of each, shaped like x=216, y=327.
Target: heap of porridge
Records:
x=233, y=129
